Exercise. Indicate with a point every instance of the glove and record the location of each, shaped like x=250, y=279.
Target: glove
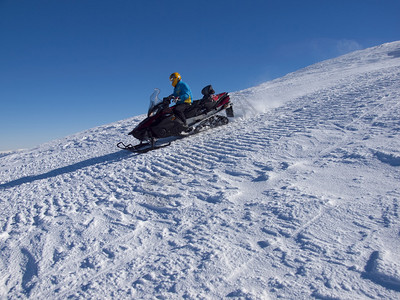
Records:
x=167, y=100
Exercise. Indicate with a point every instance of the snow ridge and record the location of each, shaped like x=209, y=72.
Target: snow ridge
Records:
x=296, y=198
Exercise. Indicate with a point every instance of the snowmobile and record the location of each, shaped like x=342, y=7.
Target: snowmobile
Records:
x=161, y=121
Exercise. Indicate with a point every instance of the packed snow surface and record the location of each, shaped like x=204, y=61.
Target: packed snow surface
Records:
x=296, y=198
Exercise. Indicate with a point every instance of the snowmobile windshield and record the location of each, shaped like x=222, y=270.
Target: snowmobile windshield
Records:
x=154, y=101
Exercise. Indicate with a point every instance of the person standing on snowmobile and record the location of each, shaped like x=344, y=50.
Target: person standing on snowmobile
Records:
x=182, y=94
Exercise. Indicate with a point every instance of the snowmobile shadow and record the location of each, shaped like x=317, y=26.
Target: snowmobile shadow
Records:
x=108, y=158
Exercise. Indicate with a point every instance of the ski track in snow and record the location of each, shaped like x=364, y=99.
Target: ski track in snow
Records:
x=296, y=198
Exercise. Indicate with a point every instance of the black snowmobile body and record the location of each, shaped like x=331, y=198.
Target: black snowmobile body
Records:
x=161, y=121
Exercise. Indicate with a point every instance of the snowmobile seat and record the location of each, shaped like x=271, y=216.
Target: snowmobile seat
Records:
x=194, y=110
x=208, y=103
x=204, y=105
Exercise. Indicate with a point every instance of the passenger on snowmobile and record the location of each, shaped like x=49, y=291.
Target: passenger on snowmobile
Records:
x=182, y=94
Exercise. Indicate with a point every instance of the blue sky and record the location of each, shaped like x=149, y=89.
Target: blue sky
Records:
x=70, y=65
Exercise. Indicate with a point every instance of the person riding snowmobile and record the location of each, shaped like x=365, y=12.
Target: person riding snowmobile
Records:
x=162, y=123
x=182, y=94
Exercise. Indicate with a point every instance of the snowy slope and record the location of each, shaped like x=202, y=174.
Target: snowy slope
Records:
x=296, y=198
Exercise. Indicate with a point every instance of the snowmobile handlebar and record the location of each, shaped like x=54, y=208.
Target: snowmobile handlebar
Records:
x=166, y=100
x=170, y=98
x=175, y=99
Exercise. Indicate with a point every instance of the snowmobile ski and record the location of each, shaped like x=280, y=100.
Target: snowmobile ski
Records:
x=142, y=147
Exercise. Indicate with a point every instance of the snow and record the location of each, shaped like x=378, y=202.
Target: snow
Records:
x=296, y=198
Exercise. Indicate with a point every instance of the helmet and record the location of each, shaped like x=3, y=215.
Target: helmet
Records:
x=175, y=77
